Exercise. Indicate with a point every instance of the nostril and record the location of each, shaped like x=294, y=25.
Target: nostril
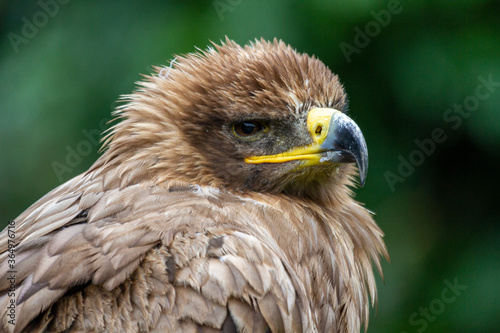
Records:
x=319, y=128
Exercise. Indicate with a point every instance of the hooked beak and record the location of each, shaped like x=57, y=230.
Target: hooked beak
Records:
x=337, y=139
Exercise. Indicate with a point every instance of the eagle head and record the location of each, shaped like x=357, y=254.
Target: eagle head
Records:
x=262, y=118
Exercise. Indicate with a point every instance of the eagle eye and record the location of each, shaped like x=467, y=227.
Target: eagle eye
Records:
x=248, y=128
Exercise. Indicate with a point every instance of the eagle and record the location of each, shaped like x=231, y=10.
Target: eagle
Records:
x=222, y=202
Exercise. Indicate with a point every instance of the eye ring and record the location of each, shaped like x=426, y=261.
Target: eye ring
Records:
x=248, y=128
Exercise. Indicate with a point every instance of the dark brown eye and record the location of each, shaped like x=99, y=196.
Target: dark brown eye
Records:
x=248, y=128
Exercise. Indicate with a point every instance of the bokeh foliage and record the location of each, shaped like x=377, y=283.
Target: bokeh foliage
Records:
x=441, y=223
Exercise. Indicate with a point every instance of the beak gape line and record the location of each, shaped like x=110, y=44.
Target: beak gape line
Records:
x=337, y=139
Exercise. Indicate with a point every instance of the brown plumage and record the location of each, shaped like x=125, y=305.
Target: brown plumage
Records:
x=175, y=229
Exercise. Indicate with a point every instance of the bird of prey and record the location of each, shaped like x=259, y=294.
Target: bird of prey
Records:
x=222, y=203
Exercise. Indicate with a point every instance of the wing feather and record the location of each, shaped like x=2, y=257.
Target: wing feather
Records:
x=177, y=258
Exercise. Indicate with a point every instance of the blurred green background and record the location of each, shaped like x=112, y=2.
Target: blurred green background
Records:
x=409, y=68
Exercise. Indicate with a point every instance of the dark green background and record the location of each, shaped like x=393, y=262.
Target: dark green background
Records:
x=441, y=223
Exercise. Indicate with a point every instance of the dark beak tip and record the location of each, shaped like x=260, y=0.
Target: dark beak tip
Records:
x=362, y=171
x=361, y=163
x=362, y=180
